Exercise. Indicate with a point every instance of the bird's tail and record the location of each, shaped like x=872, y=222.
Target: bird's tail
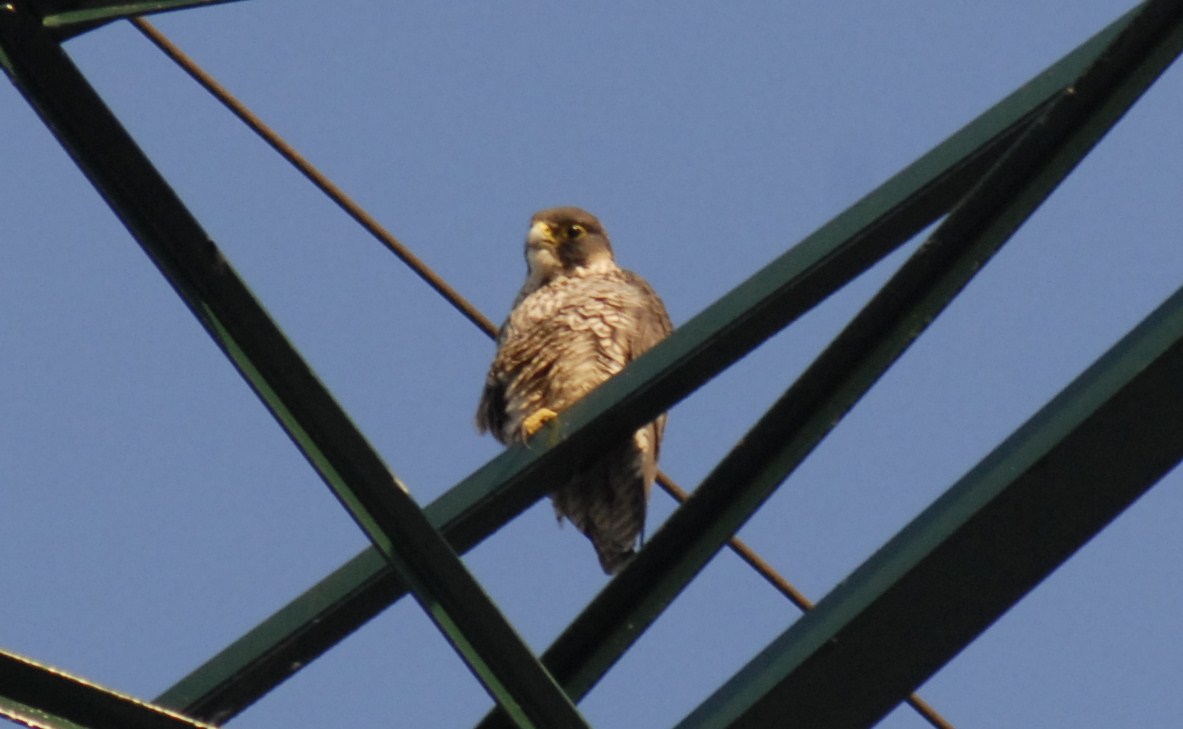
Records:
x=606, y=502
x=612, y=558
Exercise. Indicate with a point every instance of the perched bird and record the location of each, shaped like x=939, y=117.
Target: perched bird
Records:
x=578, y=320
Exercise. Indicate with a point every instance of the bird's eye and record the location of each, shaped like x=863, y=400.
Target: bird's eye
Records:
x=576, y=231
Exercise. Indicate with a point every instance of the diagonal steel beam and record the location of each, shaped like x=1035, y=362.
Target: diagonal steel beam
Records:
x=1028, y=506
x=46, y=698
x=1019, y=514
x=878, y=223
x=1039, y=160
x=68, y=18
x=62, y=13
x=283, y=381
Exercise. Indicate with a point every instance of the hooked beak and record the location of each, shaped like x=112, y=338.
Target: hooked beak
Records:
x=541, y=234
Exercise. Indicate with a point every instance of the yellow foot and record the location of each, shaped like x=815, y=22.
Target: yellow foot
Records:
x=537, y=419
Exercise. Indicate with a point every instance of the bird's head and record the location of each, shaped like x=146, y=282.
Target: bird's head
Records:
x=563, y=240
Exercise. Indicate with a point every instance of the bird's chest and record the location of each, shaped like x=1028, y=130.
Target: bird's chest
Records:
x=575, y=310
x=562, y=341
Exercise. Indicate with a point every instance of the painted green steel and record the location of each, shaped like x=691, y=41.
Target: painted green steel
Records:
x=63, y=13
x=240, y=326
x=1019, y=514
x=881, y=221
x=66, y=19
x=43, y=697
x=30, y=717
x=1027, y=507
x=286, y=641
x=899, y=313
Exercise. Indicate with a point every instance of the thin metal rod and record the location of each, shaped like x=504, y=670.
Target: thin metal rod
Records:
x=315, y=176
x=798, y=598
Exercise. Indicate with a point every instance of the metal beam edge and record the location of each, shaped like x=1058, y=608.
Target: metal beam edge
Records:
x=89, y=13
x=39, y=696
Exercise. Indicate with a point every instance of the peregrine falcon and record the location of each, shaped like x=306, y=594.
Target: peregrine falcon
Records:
x=578, y=320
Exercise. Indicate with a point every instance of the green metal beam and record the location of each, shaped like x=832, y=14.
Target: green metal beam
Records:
x=68, y=18
x=288, y=640
x=63, y=13
x=878, y=335
x=878, y=223
x=1019, y=514
x=46, y=698
x=1014, y=518
x=283, y=381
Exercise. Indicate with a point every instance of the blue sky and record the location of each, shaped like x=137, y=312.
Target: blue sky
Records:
x=151, y=511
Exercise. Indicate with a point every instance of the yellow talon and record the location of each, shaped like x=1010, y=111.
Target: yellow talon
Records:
x=537, y=419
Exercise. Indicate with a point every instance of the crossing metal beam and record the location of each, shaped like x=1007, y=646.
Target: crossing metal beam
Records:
x=1019, y=514
x=1023, y=511
x=219, y=299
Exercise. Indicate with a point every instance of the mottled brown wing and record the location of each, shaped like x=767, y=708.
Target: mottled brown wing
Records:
x=608, y=500
x=653, y=325
x=490, y=412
